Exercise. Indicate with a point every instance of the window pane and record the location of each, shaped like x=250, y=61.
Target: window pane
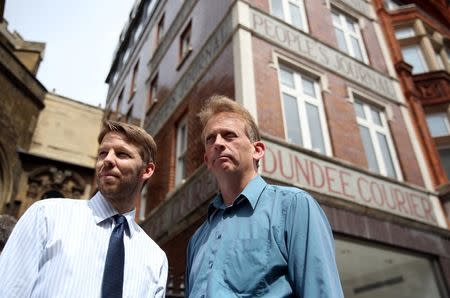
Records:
x=296, y=18
x=336, y=19
x=359, y=109
x=356, y=48
x=374, y=271
x=315, y=128
x=341, y=40
x=376, y=117
x=438, y=124
x=445, y=159
x=292, y=120
x=287, y=78
x=387, y=158
x=277, y=8
x=308, y=87
x=368, y=149
x=413, y=55
x=350, y=25
x=404, y=32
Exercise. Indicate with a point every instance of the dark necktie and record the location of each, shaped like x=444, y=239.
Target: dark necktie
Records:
x=112, y=285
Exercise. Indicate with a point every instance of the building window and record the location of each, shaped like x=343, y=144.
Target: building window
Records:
x=143, y=202
x=413, y=55
x=304, y=115
x=375, y=136
x=413, y=39
x=348, y=35
x=393, y=4
x=369, y=270
x=150, y=6
x=133, y=81
x=119, y=101
x=138, y=32
x=160, y=30
x=405, y=32
x=438, y=124
x=152, y=93
x=181, y=150
x=444, y=154
x=126, y=56
x=185, y=43
x=129, y=115
x=291, y=11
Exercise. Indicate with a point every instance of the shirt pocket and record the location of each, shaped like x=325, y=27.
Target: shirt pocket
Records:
x=246, y=265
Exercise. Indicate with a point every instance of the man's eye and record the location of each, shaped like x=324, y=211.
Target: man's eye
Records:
x=230, y=135
x=209, y=140
x=123, y=155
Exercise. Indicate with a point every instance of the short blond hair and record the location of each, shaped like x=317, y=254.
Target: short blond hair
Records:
x=222, y=104
x=135, y=135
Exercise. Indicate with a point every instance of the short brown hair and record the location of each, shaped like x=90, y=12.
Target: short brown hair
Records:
x=134, y=134
x=222, y=104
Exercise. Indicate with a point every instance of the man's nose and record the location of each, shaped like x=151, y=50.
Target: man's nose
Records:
x=110, y=157
x=219, y=142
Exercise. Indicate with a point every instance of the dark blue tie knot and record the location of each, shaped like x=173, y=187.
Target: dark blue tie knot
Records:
x=119, y=219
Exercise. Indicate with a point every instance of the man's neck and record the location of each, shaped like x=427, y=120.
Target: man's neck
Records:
x=122, y=205
x=231, y=186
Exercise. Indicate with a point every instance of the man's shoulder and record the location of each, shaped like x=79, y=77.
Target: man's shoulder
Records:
x=288, y=192
x=147, y=242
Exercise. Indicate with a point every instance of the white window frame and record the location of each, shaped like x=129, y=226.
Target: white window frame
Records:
x=181, y=151
x=302, y=99
x=287, y=12
x=343, y=17
x=373, y=128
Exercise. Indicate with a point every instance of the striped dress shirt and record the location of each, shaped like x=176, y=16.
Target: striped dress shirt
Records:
x=58, y=249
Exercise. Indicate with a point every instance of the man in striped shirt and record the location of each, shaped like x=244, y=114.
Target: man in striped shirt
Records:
x=59, y=246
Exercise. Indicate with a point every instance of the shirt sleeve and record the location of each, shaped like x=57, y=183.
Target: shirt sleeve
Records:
x=162, y=282
x=310, y=247
x=20, y=258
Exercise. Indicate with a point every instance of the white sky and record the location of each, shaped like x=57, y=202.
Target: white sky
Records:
x=80, y=37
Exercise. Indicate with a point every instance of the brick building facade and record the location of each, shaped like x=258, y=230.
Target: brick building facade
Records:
x=319, y=80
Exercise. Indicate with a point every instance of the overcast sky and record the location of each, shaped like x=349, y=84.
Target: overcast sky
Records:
x=80, y=37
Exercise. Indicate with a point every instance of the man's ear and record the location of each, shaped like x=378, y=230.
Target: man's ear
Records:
x=260, y=149
x=148, y=170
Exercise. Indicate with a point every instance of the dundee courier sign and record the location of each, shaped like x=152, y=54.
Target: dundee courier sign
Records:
x=293, y=167
x=329, y=58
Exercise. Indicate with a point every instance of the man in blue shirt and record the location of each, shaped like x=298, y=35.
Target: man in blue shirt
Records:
x=258, y=239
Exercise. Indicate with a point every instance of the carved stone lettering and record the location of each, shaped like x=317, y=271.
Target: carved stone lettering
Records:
x=324, y=55
x=296, y=168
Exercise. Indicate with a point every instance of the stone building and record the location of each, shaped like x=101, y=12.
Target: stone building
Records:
x=61, y=158
x=48, y=143
x=21, y=101
x=418, y=37
x=319, y=78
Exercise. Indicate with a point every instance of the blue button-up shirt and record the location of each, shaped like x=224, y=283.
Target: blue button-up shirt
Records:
x=274, y=241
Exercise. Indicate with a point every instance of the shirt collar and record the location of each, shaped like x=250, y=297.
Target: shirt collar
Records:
x=251, y=192
x=103, y=210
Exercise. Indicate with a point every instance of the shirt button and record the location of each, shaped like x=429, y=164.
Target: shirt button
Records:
x=219, y=236
x=210, y=264
x=202, y=296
